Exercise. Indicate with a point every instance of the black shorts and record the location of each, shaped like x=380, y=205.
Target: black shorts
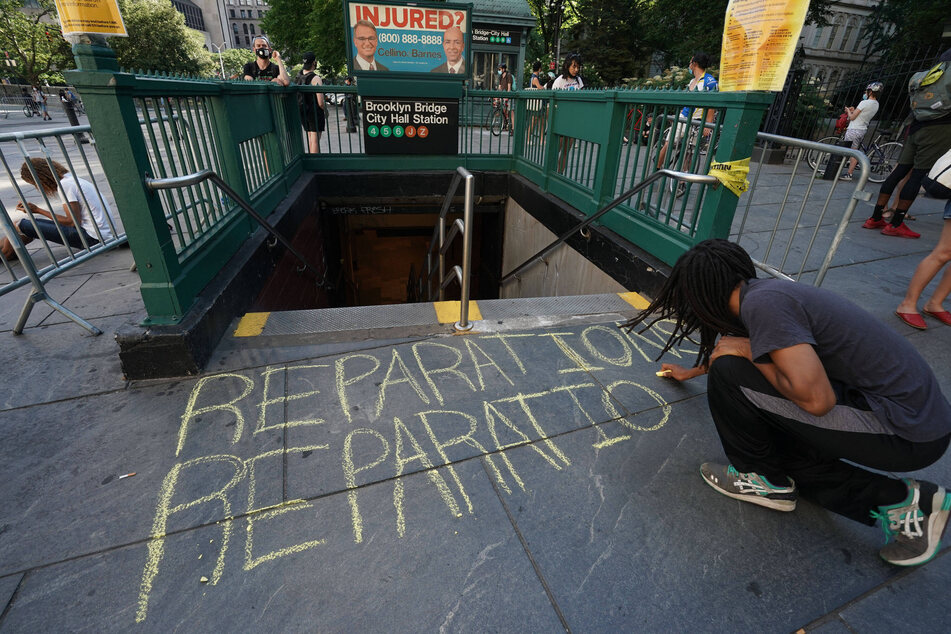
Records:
x=315, y=121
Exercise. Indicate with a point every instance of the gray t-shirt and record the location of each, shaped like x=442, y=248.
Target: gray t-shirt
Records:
x=858, y=352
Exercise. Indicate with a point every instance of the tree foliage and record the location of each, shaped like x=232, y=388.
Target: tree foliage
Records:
x=676, y=31
x=33, y=41
x=608, y=39
x=619, y=40
x=234, y=60
x=902, y=28
x=159, y=40
x=298, y=26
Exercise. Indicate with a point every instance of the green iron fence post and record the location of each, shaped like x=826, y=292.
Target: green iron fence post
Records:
x=107, y=94
x=741, y=122
x=610, y=155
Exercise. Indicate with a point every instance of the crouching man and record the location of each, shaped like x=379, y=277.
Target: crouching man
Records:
x=800, y=381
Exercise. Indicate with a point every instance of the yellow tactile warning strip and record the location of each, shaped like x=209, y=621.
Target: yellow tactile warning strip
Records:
x=636, y=300
x=251, y=325
x=448, y=312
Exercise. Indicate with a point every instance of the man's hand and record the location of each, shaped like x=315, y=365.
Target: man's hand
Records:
x=680, y=373
x=733, y=347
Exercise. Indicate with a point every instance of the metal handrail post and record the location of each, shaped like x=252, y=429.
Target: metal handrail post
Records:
x=442, y=255
x=463, y=324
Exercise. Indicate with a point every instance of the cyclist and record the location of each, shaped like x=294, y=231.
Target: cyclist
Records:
x=702, y=82
x=505, y=84
x=859, y=116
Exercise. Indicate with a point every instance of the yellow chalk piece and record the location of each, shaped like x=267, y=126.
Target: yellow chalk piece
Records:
x=448, y=312
x=636, y=300
x=251, y=325
x=204, y=580
x=732, y=174
x=662, y=373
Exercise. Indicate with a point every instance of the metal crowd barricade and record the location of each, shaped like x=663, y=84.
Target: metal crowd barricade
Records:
x=794, y=209
x=68, y=147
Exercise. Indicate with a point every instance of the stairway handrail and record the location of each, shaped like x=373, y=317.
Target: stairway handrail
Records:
x=463, y=273
x=186, y=180
x=702, y=179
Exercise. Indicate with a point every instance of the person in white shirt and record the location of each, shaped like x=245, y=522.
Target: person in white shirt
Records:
x=859, y=116
x=86, y=219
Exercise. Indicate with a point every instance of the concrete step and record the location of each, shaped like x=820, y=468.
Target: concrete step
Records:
x=298, y=327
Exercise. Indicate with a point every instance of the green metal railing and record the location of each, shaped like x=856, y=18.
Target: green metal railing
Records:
x=584, y=147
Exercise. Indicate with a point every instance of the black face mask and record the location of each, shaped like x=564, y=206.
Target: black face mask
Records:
x=263, y=53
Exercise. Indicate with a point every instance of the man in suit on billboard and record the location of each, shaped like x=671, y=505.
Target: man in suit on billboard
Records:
x=365, y=39
x=454, y=44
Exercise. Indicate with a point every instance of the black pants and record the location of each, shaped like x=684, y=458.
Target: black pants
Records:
x=764, y=432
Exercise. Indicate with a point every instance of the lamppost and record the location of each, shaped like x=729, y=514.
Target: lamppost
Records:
x=220, y=61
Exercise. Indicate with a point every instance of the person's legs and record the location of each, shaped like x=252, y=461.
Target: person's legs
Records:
x=762, y=432
x=885, y=193
x=47, y=228
x=7, y=248
x=312, y=145
x=855, y=136
x=925, y=272
x=907, y=196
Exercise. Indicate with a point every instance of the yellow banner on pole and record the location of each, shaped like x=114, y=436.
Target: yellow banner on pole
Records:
x=759, y=41
x=99, y=17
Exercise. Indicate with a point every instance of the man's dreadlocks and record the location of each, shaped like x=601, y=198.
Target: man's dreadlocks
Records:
x=697, y=296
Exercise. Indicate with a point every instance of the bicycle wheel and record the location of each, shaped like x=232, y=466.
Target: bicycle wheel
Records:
x=882, y=160
x=497, y=121
x=817, y=159
x=27, y=111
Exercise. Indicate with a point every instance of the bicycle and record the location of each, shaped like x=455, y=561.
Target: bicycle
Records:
x=31, y=109
x=696, y=143
x=498, y=118
x=882, y=158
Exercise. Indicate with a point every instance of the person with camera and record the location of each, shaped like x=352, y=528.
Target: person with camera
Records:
x=262, y=67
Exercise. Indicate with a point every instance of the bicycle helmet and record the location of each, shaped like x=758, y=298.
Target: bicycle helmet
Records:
x=875, y=86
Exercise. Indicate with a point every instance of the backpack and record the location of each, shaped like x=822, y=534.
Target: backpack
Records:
x=930, y=92
x=938, y=181
x=305, y=100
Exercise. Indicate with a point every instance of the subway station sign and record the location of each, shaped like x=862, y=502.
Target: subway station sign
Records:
x=410, y=126
x=495, y=34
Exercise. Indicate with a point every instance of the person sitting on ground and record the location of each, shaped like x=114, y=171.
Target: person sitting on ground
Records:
x=85, y=215
x=804, y=387
x=859, y=117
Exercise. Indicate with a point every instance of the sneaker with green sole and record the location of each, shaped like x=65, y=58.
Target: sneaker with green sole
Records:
x=917, y=534
x=749, y=487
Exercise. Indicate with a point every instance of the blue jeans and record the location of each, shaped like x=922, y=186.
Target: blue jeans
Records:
x=48, y=230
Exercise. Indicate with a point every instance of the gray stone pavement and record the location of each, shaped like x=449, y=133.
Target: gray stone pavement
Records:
x=531, y=476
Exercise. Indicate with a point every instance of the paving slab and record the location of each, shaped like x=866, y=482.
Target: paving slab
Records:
x=8, y=586
x=62, y=463
x=52, y=363
x=102, y=294
x=442, y=400
x=299, y=568
x=909, y=603
x=629, y=535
